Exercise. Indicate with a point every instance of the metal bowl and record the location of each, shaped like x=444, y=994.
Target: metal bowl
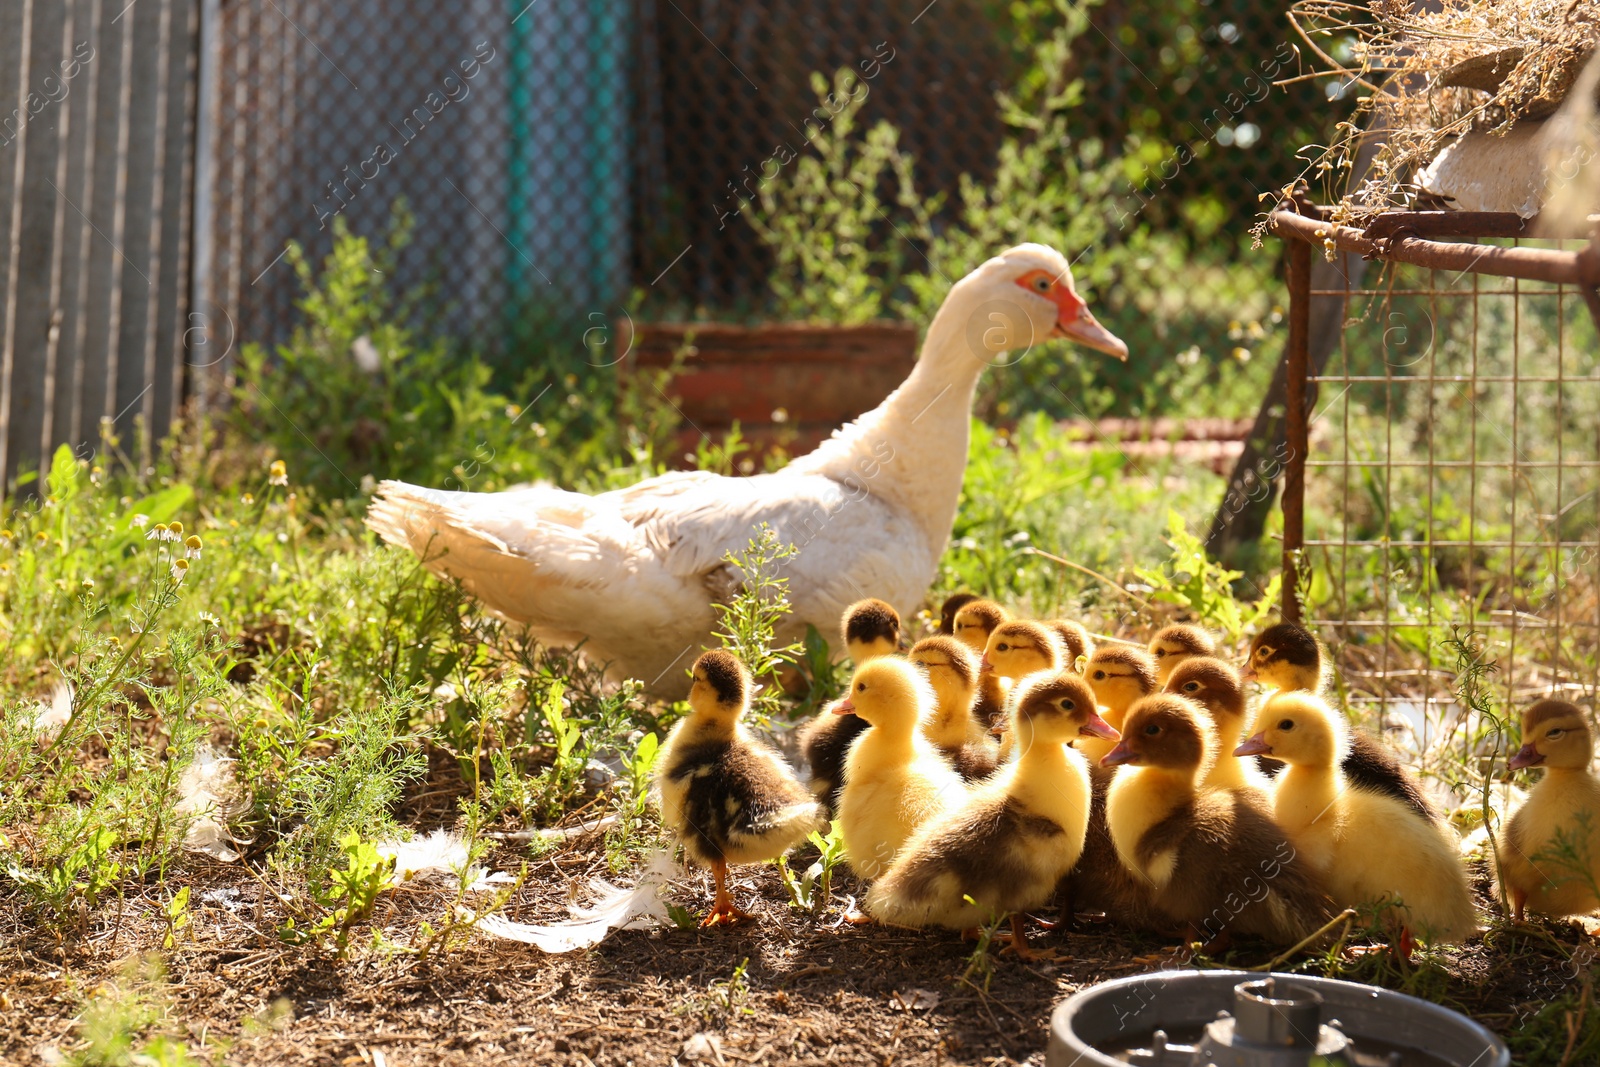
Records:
x=1246, y=1019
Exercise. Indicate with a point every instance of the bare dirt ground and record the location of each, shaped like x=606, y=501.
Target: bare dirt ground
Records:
x=815, y=990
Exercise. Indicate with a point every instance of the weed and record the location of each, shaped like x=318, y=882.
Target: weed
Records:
x=812, y=890
x=748, y=622
x=980, y=965
x=1193, y=582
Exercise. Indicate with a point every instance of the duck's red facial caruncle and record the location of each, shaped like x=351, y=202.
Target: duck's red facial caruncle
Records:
x=1073, y=319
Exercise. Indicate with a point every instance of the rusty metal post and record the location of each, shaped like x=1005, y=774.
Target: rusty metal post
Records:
x=1296, y=422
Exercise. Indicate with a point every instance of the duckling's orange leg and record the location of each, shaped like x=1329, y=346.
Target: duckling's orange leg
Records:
x=1019, y=944
x=723, y=911
x=1519, y=905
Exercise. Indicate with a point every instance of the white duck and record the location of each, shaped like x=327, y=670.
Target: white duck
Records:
x=633, y=573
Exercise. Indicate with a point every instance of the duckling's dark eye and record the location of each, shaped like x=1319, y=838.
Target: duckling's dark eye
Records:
x=1191, y=687
x=1099, y=676
x=1002, y=647
x=1553, y=734
x=1160, y=652
x=1068, y=704
x=1286, y=724
x=861, y=687
x=1152, y=730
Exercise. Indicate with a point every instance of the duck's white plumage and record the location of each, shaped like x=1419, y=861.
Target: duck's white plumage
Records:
x=633, y=573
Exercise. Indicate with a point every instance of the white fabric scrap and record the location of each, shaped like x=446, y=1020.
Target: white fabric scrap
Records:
x=616, y=909
x=203, y=792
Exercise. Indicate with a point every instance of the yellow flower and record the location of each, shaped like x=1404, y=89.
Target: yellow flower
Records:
x=191, y=547
x=158, y=532
x=175, y=531
x=278, y=473
x=180, y=570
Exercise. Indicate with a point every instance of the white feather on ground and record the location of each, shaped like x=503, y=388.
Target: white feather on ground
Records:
x=50, y=718
x=204, y=789
x=616, y=909
x=436, y=856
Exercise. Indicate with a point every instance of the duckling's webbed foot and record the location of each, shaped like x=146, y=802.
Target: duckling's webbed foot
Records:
x=724, y=912
x=1018, y=944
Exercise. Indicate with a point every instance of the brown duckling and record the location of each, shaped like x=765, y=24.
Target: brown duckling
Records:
x=726, y=796
x=947, y=611
x=952, y=670
x=1287, y=657
x=1215, y=686
x=1011, y=841
x=1173, y=644
x=1213, y=859
x=1550, y=849
x=870, y=629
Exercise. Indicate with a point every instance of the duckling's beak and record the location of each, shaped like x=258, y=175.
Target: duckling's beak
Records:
x=1255, y=746
x=844, y=707
x=1098, y=727
x=1086, y=331
x=984, y=664
x=1526, y=756
x=1247, y=673
x=1121, y=754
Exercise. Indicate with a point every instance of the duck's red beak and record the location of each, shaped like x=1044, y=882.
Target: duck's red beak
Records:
x=1254, y=746
x=1526, y=756
x=844, y=707
x=1121, y=754
x=1098, y=727
x=1082, y=328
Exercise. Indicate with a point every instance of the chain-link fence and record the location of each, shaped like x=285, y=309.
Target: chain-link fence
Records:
x=558, y=158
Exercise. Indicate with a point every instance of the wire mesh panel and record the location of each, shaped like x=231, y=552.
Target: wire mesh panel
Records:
x=1451, y=464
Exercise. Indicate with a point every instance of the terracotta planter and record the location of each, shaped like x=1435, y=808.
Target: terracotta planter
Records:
x=786, y=385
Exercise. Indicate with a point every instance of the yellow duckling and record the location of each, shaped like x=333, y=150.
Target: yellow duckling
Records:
x=894, y=779
x=1120, y=675
x=1007, y=845
x=1075, y=641
x=975, y=620
x=952, y=670
x=870, y=629
x=1212, y=859
x=1173, y=644
x=728, y=797
x=1215, y=686
x=1015, y=650
x=1550, y=848
x=1370, y=847
x=1289, y=658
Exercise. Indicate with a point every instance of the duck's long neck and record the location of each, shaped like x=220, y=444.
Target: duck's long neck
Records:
x=912, y=449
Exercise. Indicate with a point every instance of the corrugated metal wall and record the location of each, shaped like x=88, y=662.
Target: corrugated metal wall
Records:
x=96, y=173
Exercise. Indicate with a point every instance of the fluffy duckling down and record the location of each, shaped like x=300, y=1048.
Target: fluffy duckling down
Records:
x=1120, y=675
x=1173, y=644
x=1416, y=876
x=1015, y=650
x=1550, y=848
x=1288, y=657
x=952, y=670
x=870, y=629
x=1212, y=859
x=1006, y=846
x=974, y=624
x=1215, y=686
x=894, y=778
x=947, y=611
x=726, y=796
x=1076, y=642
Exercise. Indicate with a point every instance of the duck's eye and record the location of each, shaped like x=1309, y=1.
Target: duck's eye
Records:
x=1067, y=704
x=1002, y=647
x=1286, y=724
x=1041, y=285
x=1099, y=676
x=1265, y=652
x=1553, y=734
x=1152, y=730
x=1160, y=652
x=1191, y=687
x=861, y=687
